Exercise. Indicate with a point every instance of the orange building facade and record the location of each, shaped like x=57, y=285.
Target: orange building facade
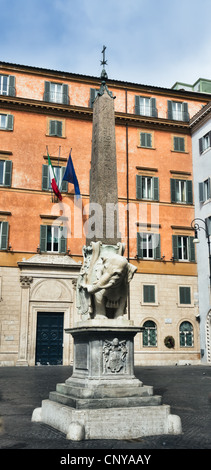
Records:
x=41, y=238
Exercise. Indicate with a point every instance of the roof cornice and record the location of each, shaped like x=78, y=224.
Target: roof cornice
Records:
x=86, y=113
x=95, y=81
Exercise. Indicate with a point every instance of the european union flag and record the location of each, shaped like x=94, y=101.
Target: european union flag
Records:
x=71, y=177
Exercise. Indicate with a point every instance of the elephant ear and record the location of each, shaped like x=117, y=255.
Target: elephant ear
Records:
x=131, y=271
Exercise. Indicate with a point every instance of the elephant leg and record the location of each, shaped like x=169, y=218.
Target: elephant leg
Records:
x=99, y=301
x=121, y=310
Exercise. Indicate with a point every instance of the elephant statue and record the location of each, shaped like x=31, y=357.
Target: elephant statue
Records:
x=103, y=282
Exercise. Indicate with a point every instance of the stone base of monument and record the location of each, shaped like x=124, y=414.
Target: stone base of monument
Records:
x=103, y=399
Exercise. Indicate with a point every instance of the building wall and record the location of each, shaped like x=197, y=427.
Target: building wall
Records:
x=202, y=171
x=26, y=206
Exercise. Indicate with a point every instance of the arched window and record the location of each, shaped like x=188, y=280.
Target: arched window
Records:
x=150, y=334
x=186, y=334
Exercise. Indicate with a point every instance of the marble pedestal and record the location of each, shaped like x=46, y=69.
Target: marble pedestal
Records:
x=103, y=399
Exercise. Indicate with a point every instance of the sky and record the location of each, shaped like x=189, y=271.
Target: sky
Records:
x=150, y=42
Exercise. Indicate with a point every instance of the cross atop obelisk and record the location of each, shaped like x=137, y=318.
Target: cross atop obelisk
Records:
x=103, y=178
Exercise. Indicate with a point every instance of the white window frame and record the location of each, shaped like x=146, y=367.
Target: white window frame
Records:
x=2, y=183
x=148, y=246
x=145, y=106
x=177, y=111
x=53, y=229
x=147, y=187
x=56, y=92
x=181, y=191
x=4, y=91
x=3, y=117
x=183, y=248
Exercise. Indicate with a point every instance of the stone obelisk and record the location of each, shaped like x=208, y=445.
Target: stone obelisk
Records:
x=103, y=399
x=103, y=175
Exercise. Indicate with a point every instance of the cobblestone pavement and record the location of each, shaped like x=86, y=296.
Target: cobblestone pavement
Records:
x=187, y=389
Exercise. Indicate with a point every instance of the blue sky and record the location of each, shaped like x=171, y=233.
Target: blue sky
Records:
x=153, y=42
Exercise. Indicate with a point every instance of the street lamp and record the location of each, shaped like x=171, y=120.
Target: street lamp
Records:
x=195, y=225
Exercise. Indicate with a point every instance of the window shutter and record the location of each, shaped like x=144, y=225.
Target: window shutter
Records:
x=175, y=247
x=11, y=85
x=52, y=128
x=209, y=188
x=185, y=113
x=170, y=113
x=137, y=105
x=63, y=240
x=149, y=140
x=189, y=192
x=155, y=182
x=59, y=128
x=8, y=173
x=201, y=145
x=156, y=245
x=154, y=112
x=201, y=192
x=43, y=238
x=173, y=190
x=138, y=187
x=93, y=93
x=140, y=245
x=176, y=143
x=4, y=236
x=65, y=94
x=45, y=178
x=64, y=183
x=10, y=119
x=149, y=294
x=192, y=257
x=47, y=91
x=185, y=295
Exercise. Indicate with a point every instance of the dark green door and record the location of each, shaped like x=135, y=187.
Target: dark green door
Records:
x=49, y=343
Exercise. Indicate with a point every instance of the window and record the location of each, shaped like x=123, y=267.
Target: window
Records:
x=186, y=334
x=205, y=190
x=55, y=128
x=148, y=245
x=147, y=187
x=5, y=172
x=178, y=111
x=181, y=191
x=146, y=139
x=179, y=144
x=150, y=334
x=4, y=227
x=184, y=295
x=183, y=248
x=56, y=93
x=6, y=122
x=149, y=294
x=145, y=106
x=53, y=239
x=205, y=142
x=7, y=85
x=59, y=173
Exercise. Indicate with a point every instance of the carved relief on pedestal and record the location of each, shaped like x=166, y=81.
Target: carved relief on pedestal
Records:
x=114, y=353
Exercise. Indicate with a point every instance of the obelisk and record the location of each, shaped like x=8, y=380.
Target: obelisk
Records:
x=103, y=399
x=103, y=175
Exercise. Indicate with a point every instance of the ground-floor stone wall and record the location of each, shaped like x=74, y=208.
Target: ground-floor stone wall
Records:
x=168, y=316
x=26, y=292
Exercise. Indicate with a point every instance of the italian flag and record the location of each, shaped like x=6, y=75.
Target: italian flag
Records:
x=53, y=180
